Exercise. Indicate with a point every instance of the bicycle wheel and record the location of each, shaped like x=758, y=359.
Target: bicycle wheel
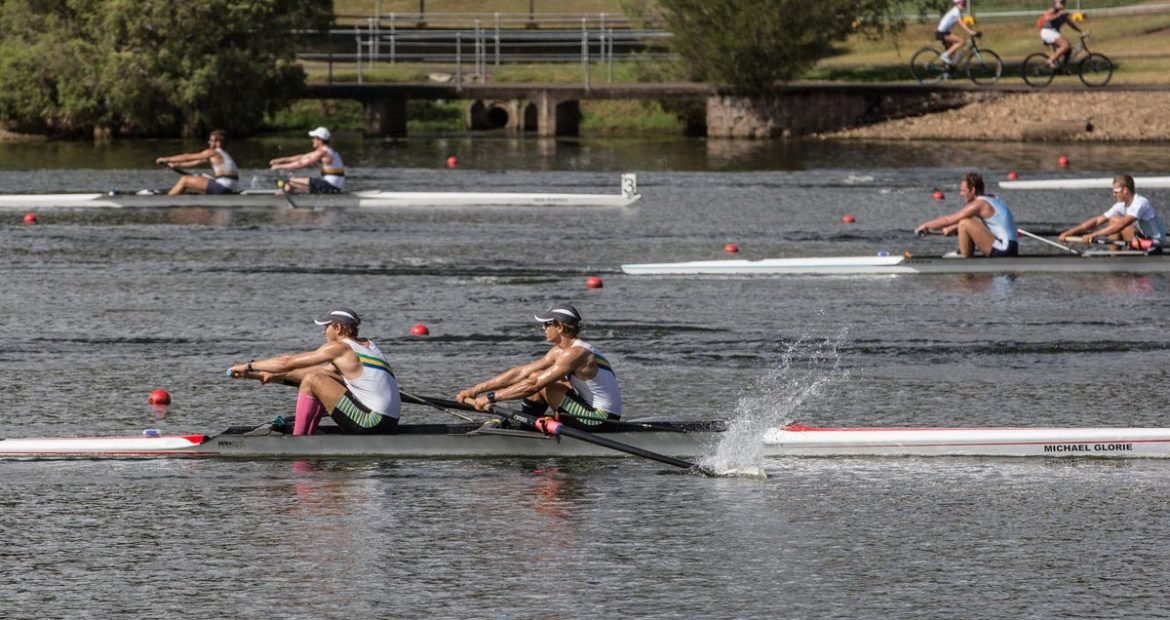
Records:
x=1036, y=71
x=927, y=66
x=1095, y=70
x=984, y=67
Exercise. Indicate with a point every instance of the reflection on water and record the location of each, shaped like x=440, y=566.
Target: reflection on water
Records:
x=498, y=152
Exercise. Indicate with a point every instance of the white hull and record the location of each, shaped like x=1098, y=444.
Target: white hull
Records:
x=694, y=440
x=1099, y=183
x=413, y=440
x=796, y=440
x=371, y=199
x=1100, y=262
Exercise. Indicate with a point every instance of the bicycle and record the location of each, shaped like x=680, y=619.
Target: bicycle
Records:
x=981, y=65
x=1094, y=68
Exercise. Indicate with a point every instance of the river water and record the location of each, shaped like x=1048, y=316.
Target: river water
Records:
x=99, y=308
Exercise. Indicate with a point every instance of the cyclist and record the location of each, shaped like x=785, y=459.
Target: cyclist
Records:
x=1054, y=18
x=952, y=42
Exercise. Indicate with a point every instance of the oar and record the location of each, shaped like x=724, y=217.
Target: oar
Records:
x=419, y=400
x=553, y=427
x=435, y=403
x=282, y=185
x=1049, y=242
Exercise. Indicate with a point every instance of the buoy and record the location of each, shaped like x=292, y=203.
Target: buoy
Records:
x=593, y=282
x=938, y=195
x=1012, y=176
x=159, y=397
x=419, y=330
x=1062, y=161
x=30, y=218
x=848, y=219
x=731, y=248
x=452, y=162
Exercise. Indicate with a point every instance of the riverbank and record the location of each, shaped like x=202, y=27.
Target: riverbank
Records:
x=1042, y=116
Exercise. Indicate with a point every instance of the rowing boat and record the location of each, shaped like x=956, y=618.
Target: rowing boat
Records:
x=359, y=199
x=1088, y=262
x=410, y=440
x=1097, y=183
x=797, y=440
x=682, y=439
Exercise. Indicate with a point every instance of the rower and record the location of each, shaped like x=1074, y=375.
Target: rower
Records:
x=332, y=179
x=347, y=378
x=574, y=378
x=984, y=223
x=225, y=174
x=1131, y=218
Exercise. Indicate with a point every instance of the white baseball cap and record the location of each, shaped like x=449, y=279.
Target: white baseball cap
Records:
x=320, y=132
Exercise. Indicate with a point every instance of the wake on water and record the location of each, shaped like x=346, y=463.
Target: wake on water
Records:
x=804, y=371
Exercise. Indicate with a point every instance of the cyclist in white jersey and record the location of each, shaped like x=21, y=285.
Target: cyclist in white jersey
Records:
x=332, y=179
x=952, y=42
x=574, y=378
x=984, y=223
x=225, y=175
x=347, y=378
x=1131, y=217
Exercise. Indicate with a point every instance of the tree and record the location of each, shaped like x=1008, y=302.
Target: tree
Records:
x=751, y=45
x=149, y=67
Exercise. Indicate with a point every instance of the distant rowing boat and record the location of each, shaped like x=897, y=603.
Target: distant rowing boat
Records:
x=1098, y=183
x=361, y=199
x=682, y=439
x=1089, y=262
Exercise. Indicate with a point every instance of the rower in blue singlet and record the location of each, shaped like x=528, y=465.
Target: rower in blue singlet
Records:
x=984, y=223
x=574, y=378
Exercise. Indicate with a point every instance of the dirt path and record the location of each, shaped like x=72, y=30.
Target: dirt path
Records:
x=1082, y=116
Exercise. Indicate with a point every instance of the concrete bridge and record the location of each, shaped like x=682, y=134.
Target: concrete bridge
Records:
x=554, y=109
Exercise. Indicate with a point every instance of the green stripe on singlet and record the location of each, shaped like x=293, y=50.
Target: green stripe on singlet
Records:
x=376, y=362
x=364, y=419
x=602, y=362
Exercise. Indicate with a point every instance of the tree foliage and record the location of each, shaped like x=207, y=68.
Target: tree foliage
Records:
x=149, y=67
x=751, y=45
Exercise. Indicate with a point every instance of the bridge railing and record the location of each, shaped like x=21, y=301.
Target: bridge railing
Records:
x=468, y=53
x=507, y=21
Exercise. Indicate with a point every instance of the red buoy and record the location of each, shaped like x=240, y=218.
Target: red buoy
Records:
x=30, y=218
x=419, y=330
x=731, y=248
x=938, y=195
x=593, y=282
x=159, y=397
x=452, y=162
x=1062, y=161
x=1012, y=176
x=848, y=219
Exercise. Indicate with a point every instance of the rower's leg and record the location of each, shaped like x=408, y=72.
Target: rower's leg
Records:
x=189, y=184
x=974, y=234
x=319, y=393
x=299, y=184
x=309, y=412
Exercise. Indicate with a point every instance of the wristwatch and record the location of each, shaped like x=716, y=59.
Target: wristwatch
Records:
x=491, y=396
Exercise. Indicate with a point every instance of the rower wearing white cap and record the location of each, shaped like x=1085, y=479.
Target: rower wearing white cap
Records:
x=332, y=179
x=574, y=378
x=347, y=377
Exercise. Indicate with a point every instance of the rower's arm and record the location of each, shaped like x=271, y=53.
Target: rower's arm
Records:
x=507, y=378
x=1084, y=226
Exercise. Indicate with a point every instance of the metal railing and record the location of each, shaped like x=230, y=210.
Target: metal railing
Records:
x=513, y=21
x=476, y=48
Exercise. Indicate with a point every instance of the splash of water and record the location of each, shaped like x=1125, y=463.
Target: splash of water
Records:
x=803, y=373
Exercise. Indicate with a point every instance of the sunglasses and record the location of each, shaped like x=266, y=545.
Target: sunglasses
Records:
x=547, y=324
